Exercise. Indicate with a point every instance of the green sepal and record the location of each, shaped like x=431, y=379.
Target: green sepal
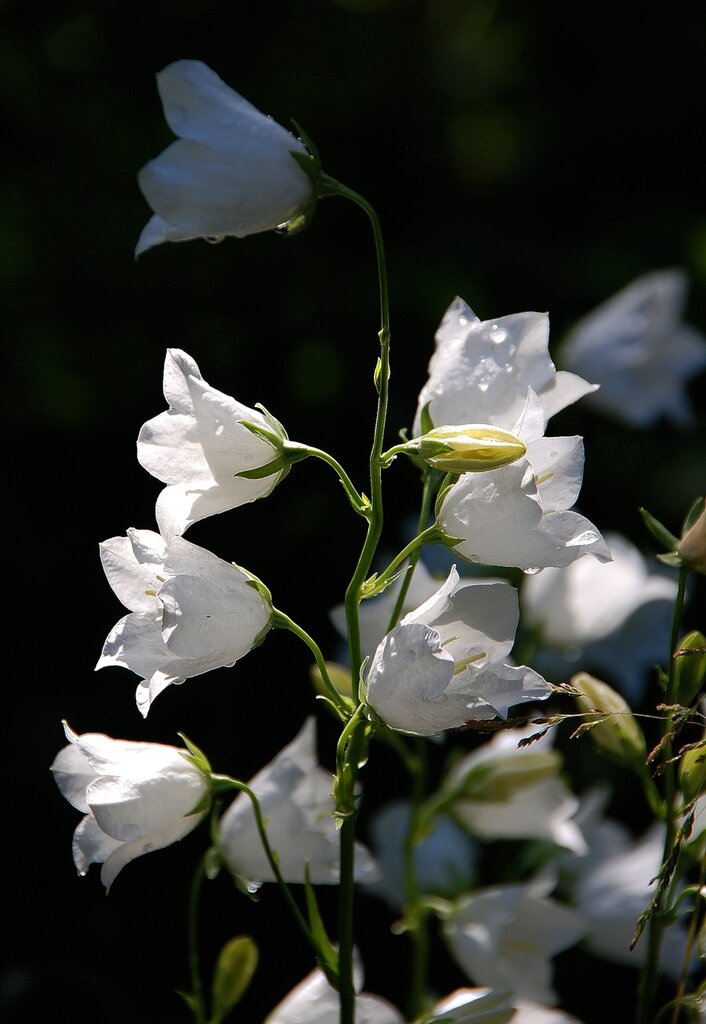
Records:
x=373, y=586
x=190, y=1000
x=196, y=756
x=660, y=532
x=427, y=422
x=693, y=514
x=339, y=712
x=264, y=592
x=272, y=437
x=236, y=964
x=671, y=558
x=309, y=162
x=327, y=955
x=273, y=421
x=278, y=465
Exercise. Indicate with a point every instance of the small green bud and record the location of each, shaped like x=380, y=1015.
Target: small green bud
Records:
x=692, y=546
x=618, y=732
x=692, y=772
x=469, y=448
x=689, y=667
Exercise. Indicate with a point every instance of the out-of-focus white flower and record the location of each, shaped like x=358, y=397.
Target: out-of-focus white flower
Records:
x=692, y=546
x=313, y=1001
x=231, y=170
x=511, y=792
x=190, y=612
x=444, y=860
x=135, y=798
x=199, y=445
x=505, y=936
x=636, y=347
x=612, y=886
x=519, y=515
x=480, y=371
x=487, y=1006
x=444, y=664
x=294, y=794
x=615, y=617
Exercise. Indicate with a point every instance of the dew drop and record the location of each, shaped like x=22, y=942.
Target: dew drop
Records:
x=462, y=321
x=483, y=384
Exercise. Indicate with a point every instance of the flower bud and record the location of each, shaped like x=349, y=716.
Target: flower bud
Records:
x=470, y=448
x=689, y=667
x=692, y=546
x=619, y=733
x=500, y=778
x=692, y=772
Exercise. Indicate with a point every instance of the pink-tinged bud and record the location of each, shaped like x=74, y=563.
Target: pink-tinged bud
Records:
x=692, y=546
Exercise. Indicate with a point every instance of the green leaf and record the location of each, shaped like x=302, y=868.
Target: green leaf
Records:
x=235, y=967
x=660, y=533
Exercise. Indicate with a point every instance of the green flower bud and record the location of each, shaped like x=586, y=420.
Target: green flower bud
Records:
x=692, y=546
x=469, y=448
x=618, y=732
x=692, y=772
x=689, y=667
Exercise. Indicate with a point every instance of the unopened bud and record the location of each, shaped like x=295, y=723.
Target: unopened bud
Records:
x=692, y=773
x=618, y=732
x=469, y=448
x=498, y=779
x=692, y=546
x=689, y=667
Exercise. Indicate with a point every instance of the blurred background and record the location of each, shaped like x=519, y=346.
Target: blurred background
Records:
x=522, y=156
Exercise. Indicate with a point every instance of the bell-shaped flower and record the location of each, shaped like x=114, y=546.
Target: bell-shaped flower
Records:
x=445, y=663
x=189, y=611
x=314, y=1001
x=444, y=859
x=200, y=445
x=613, y=618
x=637, y=348
x=135, y=798
x=505, y=936
x=506, y=791
x=519, y=515
x=480, y=370
x=231, y=170
x=294, y=794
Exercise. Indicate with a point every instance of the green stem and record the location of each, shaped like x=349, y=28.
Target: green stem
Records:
x=431, y=482
x=282, y=621
x=429, y=536
x=649, y=975
x=199, y=1007
x=415, y=915
x=358, y=502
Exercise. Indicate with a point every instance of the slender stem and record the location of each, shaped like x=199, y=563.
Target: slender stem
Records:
x=199, y=1007
x=431, y=482
x=649, y=975
x=356, y=499
x=428, y=536
x=414, y=914
x=282, y=621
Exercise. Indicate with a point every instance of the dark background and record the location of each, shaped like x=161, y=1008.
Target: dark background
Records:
x=524, y=156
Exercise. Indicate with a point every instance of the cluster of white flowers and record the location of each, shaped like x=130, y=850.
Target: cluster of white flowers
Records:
x=435, y=658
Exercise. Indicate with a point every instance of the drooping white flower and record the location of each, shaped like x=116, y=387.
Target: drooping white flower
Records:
x=445, y=663
x=190, y=612
x=314, y=1001
x=294, y=793
x=614, y=617
x=505, y=936
x=637, y=348
x=135, y=798
x=519, y=515
x=444, y=860
x=510, y=792
x=199, y=445
x=481, y=370
x=231, y=170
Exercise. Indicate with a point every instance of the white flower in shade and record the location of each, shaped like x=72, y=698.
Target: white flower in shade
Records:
x=294, y=794
x=231, y=170
x=614, y=884
x=445, y=663
x=135, y=798
x=505, y=936
x=481, y=370
x=487, y=1006
x=199, y=445
x=636, y=347
x=313, y=1001
x=444, y=860
x=190, y=612
x=614, y=617
x=510, y=792
x=519, y=515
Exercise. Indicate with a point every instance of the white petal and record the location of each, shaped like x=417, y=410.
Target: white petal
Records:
x=91, y=845
x=129, y=574
x=558, y=470
x=72, y=774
